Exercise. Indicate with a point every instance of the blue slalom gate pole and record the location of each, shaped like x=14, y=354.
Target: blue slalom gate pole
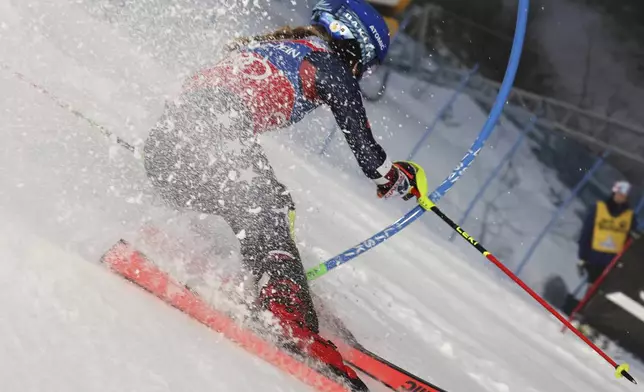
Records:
x=508, y=155
x=497, y=108
x=441, y=113
x=466, y=161
x=589, y=174
x=367, y=244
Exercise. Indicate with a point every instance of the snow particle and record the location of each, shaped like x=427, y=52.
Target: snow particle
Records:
x=447, y=350
x=241, y=235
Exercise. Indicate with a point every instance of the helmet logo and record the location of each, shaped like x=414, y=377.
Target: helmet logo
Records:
x=338, y=29
x=364, y=37
x=377, y=36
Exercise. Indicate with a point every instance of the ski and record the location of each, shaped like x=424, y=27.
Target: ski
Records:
x=384, y=371
x=134, y=266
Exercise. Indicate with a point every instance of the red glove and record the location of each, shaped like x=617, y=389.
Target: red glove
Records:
x=401, y=181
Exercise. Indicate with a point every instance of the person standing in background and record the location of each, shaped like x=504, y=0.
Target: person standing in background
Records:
x=605, y=232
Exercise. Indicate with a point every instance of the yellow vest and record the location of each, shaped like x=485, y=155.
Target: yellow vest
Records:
x=610, y=232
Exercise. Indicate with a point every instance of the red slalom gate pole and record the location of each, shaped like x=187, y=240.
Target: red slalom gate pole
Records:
x=620, y=370
x=591, y=291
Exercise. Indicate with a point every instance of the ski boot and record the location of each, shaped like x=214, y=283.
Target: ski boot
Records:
x=287, y=301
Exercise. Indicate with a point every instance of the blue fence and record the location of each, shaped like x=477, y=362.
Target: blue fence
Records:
x=559, y=211
x=497, y=170
x=443, y=110
x=568, y=192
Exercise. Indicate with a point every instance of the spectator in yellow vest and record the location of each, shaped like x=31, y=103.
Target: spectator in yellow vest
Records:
x=605, y=231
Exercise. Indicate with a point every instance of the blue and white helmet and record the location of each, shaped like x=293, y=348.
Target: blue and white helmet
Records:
x=358, y=20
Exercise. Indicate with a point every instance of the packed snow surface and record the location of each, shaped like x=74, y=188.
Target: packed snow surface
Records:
x=69, y=192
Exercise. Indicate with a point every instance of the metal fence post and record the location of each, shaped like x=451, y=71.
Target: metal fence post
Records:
x=559, y=210
x=508, y=155
x=419, y=54
x=443, y=110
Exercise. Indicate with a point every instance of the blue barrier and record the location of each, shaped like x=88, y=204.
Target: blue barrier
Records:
x=559, y=210
x=441, y=113
x=416, y=212
x=508, y=155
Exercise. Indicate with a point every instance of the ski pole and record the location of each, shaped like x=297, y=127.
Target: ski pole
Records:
x=620, y=370
x=593, y=288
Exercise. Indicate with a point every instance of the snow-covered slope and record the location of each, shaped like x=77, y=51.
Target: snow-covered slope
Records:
x=69, y=325
x=68, y=194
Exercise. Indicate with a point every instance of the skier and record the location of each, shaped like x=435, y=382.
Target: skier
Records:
x=203, y=153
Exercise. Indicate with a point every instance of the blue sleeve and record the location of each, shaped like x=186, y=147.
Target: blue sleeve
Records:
x=584, y=249
x=338, y=89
